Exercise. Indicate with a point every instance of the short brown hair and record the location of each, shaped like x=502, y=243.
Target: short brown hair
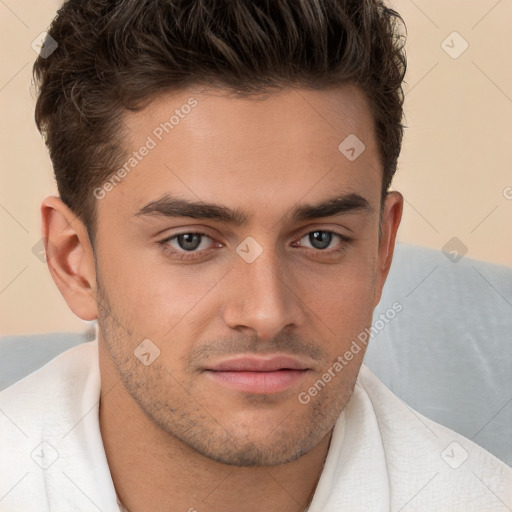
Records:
x=115, y=56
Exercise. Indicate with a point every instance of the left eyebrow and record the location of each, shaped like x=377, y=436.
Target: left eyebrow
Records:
x=168, y=206
x=334, y=206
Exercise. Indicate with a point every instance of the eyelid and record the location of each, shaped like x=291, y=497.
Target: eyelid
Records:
x=304, y=233
x=191, y=232
x=193, y=255
x=343, y=238
x=183, y=255
x=312, y=229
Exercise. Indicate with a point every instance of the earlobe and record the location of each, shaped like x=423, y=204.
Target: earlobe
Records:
x=70, y=257
x=391, y=217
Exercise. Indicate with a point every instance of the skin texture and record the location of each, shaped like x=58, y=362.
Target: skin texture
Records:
x=175, y=439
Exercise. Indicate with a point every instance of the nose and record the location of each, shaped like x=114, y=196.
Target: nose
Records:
x=265, y=298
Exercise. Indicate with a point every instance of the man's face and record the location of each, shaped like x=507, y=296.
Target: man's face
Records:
x=271, y=284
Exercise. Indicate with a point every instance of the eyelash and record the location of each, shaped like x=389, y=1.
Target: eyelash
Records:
x=192, y=255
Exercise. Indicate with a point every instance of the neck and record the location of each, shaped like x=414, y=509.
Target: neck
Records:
x=153, y=470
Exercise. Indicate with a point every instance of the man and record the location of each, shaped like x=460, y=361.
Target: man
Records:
x=224, y=214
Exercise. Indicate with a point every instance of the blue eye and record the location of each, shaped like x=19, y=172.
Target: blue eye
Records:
x=321, y=239
x=185, y=245
x=194, y=245
x=188, y=241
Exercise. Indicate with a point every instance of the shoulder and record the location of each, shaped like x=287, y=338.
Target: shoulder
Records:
x=40, y=420
x=64, y=373
x=51, y=394
x=436, y=461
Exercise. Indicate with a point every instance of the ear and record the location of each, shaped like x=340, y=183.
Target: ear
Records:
x=391, y=217
x=70, y=257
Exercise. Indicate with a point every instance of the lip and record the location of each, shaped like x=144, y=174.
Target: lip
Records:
x=262, y=375
x=259, y=364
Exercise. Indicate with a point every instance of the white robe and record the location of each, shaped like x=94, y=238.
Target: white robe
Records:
x=383, y=455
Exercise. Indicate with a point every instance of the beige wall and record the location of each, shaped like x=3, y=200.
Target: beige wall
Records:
x=455, y=170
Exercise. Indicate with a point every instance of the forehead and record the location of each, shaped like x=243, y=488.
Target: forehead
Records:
x=208, y=117
x=274, y=149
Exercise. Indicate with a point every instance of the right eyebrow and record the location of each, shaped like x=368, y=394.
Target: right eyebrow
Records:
x=168, y=206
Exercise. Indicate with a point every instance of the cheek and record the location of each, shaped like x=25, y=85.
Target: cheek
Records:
x=342, y=306
x=165, y=302
x=343, y=291
x=140, y=283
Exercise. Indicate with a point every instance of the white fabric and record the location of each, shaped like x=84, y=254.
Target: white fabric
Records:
x=448, y=353
x=383, y=456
